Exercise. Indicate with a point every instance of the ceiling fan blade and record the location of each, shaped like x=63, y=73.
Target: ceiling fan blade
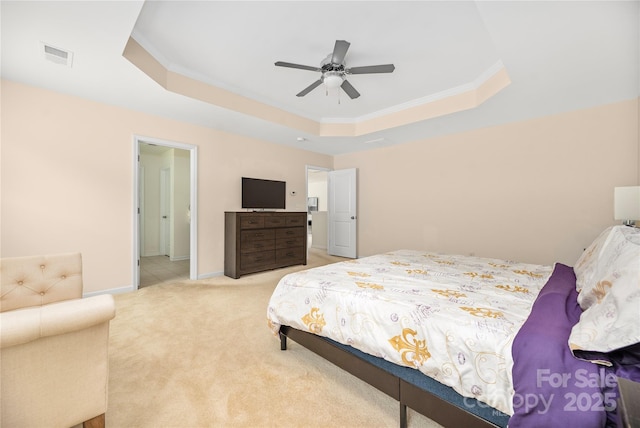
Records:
x=385, y=68
x=302, y=67
x=350, y=90
x=309, y=88
x=339, y=51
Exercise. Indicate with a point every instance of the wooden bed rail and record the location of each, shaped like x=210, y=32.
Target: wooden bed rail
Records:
x=407, y=394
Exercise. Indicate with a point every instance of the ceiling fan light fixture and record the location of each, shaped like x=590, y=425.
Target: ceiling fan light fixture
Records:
x=334, y=71
x=332, y=79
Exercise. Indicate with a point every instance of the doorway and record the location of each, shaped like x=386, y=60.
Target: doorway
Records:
x=165, y=226
x=331, y=210
x=317, y=198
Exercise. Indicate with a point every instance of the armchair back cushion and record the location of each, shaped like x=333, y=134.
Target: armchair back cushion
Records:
x=36, y=281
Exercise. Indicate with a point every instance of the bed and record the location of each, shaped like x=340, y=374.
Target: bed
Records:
x=472, y=341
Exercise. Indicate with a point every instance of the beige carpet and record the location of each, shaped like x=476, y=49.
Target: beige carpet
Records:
x=199, y=354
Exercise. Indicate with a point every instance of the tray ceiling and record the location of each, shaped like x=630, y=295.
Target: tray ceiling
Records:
x=459, y=65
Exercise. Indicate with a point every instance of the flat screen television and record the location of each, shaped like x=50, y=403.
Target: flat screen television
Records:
x=262, y=194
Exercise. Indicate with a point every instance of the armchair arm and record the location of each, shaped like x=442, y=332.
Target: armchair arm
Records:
x=25, y=325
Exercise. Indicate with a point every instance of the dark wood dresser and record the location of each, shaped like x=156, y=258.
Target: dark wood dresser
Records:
x=259, y=241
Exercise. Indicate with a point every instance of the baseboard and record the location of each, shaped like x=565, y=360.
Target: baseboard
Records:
x=179, y=258
x=130, y=288
x=151, y=254
x=119, y=290
x=210, y=275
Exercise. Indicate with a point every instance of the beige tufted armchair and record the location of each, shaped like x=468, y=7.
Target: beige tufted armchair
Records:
x=54, y=361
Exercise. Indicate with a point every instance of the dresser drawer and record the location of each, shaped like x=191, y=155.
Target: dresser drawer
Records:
x=257, y=235
x=251, y=222
x=257, y=260
x=296, y=220
x=290, y=232
x=275, y=221
x=290, y=255
x=253, y=246
x=291, y=242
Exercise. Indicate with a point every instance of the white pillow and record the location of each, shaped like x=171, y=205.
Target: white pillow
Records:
x=586, y=266
x=608, y=282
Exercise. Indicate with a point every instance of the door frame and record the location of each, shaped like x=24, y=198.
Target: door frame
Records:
x=193, y=198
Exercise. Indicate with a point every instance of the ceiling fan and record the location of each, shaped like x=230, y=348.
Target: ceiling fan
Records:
x=334, y=71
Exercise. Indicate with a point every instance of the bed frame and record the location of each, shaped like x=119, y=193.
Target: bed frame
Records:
x=410, y=387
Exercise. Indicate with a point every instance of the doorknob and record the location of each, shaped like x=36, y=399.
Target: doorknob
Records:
x=164, y=216
x=353, y=217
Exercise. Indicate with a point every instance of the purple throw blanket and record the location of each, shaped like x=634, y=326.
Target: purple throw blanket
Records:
x=552, y=387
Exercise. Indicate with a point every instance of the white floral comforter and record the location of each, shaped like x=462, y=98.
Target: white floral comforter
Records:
x=451, y=317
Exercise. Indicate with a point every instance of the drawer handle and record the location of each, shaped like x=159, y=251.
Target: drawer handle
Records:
x=259, y=245
x=290, y=254
x=289, y=232
x=291, y=242
x=253, y=222
x=258, y=235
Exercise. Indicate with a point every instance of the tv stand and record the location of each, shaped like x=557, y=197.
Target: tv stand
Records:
x=262, y=240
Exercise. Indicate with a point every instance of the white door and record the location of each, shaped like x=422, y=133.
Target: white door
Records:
x=165, y=212
x=342, y=188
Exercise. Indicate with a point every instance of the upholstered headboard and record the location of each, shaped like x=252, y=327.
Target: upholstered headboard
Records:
x=39, y=280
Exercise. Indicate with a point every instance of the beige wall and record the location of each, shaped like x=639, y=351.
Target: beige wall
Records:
x=536, y=191
x=67, y=179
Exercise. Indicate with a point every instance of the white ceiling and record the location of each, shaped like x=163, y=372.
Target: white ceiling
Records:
x=238, y=43
x=559, y=55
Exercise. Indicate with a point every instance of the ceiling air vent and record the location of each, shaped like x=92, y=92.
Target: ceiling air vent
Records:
x=57, y=55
